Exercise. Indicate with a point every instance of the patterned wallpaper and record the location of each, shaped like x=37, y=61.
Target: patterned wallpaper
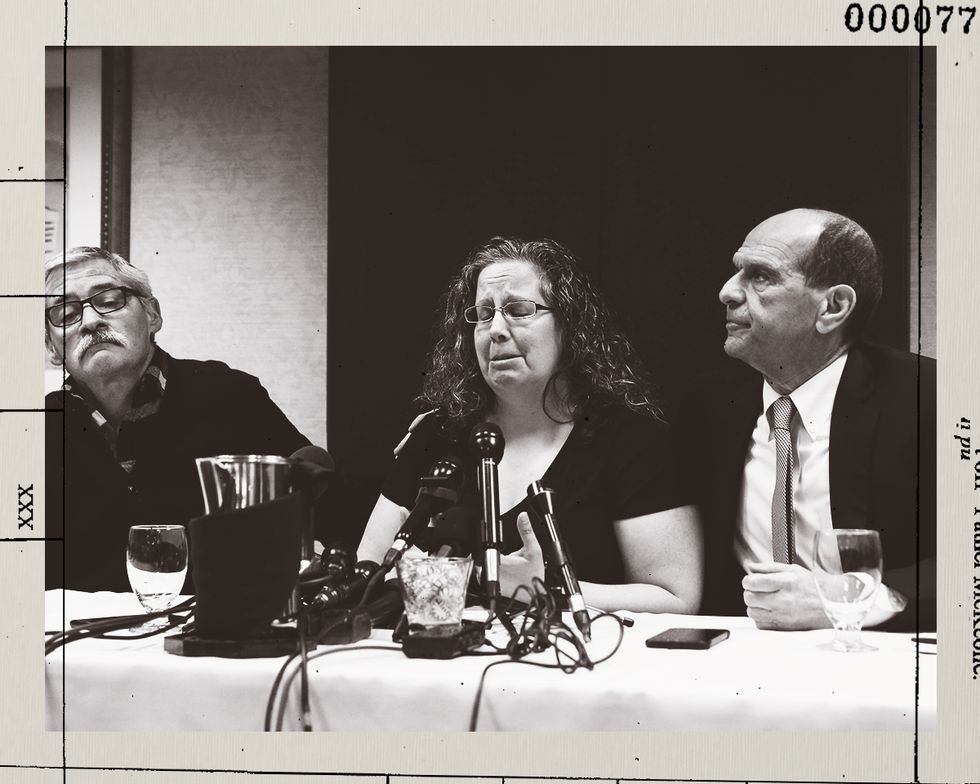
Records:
x=229, y=212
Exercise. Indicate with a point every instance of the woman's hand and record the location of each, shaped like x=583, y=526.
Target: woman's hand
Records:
x=522, y=566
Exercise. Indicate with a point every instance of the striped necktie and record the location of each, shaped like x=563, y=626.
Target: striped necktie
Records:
x=783, y=520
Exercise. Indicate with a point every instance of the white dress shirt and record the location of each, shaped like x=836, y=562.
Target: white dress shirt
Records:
x=814, y=401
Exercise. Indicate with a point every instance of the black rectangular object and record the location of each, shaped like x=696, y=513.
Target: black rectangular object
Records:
x=443, y=644
x=690, y=639
x=277, y=642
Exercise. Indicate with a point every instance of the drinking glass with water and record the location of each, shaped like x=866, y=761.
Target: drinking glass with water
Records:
x=156, y=561
x=847, y=569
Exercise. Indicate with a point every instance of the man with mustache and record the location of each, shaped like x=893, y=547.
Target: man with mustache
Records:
x=860, y=453
x=134, y=418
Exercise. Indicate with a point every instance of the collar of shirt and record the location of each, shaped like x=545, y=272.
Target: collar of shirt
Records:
x=151, y=387
x=146, y=399
x=814, y=398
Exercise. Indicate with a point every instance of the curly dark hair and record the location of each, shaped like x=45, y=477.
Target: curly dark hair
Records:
x=597, y=362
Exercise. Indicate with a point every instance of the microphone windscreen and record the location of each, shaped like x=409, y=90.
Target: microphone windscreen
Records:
x=352, y=589
x=366, y=569
x=316, y=455
x=336, y=562
x=444, y=481
x=339, y=558
x=312, y=469
x=487, y=440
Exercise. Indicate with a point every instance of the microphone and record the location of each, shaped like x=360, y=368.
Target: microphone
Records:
x=542, y=504
x=487, y=442
x=439, y=490
x=389, y=600
x=451, y=533
x=333, y=566
x=336, y=595
x=312, y=469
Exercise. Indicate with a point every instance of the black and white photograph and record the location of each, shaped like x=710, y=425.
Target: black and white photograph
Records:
x=497, y=393
x=609, y=370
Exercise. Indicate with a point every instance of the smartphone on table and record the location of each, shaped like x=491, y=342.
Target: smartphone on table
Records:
x=690, y=639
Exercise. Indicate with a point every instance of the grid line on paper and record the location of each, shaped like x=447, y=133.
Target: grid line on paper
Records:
x=32, y=539
x=433, y=776
x=64, y=248
x=918, y=408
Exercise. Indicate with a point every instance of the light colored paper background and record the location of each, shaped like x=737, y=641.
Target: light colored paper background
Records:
x=948, y=754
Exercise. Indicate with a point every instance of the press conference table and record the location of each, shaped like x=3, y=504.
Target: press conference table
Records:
x=755, y=680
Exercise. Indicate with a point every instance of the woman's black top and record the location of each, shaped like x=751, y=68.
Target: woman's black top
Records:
x=615, y=465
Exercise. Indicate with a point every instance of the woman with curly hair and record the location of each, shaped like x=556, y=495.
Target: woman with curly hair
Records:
x=526, y=342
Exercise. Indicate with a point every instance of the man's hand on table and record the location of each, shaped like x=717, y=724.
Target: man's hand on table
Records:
x=783, y=597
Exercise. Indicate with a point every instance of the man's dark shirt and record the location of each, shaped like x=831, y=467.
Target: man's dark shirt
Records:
x=203, y=409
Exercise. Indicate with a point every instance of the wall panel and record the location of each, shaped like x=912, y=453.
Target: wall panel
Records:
x=228, y=214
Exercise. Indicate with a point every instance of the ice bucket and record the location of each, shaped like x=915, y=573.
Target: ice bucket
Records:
x=231, y=482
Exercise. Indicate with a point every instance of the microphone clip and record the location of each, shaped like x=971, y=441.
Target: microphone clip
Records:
x=435, y=487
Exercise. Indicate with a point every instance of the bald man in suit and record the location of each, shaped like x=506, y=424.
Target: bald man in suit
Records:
x=861, y=420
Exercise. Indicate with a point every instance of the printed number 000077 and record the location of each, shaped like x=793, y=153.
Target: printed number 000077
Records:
x=919, y=19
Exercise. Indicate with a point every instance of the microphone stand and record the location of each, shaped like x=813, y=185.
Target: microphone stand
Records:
x=543, y=507
x=487, y=441
x=437, y=492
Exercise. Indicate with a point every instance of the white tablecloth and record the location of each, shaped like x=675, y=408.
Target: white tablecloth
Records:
x=755, y=680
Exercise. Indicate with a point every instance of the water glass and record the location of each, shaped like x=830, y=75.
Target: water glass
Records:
x=847, y=568
x=434, y=590
x=156, y=562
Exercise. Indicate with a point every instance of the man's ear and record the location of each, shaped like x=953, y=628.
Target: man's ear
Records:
x=54, y=355
x=837, y=304
x=153, y=315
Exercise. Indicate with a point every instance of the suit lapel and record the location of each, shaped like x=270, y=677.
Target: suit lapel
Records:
x=852, y=430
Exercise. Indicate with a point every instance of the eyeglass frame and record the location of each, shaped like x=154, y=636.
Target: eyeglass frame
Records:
x=503, y=309
x=126, y=290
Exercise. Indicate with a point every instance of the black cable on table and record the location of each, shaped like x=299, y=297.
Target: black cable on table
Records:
x=369, y=588
x=304, y=685
x=102, y=627
x=288, y=681
x=289, y=659
x=539, y=632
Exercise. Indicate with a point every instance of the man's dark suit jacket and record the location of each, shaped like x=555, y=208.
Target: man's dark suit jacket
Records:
x=882, y=470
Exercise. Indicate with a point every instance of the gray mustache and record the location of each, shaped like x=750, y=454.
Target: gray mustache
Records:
x=101, y=335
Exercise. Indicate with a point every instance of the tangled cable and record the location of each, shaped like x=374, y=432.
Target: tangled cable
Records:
x=303, y=647
x=282, y=684
x=542, y=628
x=102, y=627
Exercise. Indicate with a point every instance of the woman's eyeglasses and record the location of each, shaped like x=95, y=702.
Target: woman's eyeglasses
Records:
x=513, y=311
x=104, y=302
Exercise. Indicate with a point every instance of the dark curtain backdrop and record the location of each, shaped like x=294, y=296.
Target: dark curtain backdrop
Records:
x=650, y=164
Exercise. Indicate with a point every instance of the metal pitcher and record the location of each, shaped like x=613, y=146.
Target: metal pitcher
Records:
x=232, y=482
